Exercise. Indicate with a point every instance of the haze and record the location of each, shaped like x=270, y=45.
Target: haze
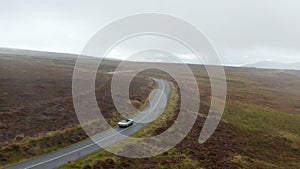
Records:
x=243, y=32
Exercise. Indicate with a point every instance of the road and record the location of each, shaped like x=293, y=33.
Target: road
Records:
x=62, y=156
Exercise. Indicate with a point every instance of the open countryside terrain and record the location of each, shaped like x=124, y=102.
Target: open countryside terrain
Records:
x=260, y=127
x=36, y=106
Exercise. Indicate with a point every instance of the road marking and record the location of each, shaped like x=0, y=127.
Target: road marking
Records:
x=94, y=143
x=156, y=102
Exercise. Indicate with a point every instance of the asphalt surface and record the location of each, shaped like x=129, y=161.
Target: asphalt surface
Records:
x=55, y=159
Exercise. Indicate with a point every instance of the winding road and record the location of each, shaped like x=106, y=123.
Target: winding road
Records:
x=57, y=158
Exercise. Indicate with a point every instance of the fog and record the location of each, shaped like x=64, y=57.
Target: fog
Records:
x=242, y=32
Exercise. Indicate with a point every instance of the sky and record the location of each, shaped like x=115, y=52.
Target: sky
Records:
x=242, y=31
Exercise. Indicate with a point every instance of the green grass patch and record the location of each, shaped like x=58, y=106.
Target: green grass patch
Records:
x=163, y=160
x=31, y=147
x=259, y=118
x=269, y=138
x=167, y=115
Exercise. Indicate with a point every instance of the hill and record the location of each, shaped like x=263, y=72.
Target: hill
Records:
x=275, y=65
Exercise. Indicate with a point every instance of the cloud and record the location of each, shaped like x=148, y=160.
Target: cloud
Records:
x=259, y=29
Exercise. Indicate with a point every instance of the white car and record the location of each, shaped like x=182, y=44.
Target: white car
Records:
x=125, y=123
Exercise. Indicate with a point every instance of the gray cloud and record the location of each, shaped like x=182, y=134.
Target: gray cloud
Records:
x=242, y=31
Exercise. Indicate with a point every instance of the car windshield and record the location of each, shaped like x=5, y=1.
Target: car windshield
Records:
x=124, y=121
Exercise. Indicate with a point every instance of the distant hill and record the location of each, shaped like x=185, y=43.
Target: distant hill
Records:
x=35, y=53
x=12, y=51
x=274, y=65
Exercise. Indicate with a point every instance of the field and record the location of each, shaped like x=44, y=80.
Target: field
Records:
x=260, y=127
x=36, y=106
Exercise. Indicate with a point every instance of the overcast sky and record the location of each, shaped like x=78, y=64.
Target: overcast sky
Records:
x=242, y=31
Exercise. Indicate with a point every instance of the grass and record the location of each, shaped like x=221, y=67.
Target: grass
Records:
x=256, y=131
x=168, y=114
x=271, y=138
x=101, y=157
x=24, y=147
x=147, y=101
x=30, y=147
x=260, y=127
x=258, y=118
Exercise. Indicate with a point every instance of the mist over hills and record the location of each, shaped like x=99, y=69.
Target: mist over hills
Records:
x=274, y=65
x=25, y=52
x=13, y=51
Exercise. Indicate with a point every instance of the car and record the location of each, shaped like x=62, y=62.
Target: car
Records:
x=125, y=123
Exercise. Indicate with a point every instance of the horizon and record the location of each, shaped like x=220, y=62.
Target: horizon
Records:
x=250, y=65
x=239, y=35
x=149, y=84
